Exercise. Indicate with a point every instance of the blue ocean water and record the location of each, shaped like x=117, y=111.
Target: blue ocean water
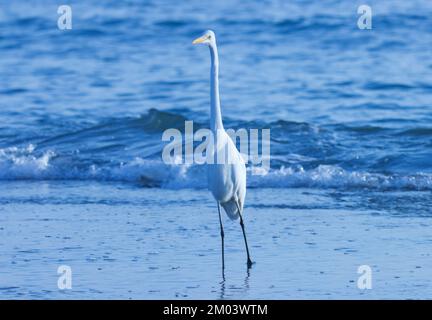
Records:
x=349, y=110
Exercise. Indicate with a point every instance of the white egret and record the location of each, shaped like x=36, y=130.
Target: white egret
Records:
x=226, y=178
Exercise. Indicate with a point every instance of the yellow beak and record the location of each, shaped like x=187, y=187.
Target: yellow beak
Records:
x=199, y=40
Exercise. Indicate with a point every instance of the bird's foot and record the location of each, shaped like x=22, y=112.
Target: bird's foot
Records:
x=249, y=263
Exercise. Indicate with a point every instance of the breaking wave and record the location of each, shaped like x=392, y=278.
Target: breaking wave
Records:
x=26, y=164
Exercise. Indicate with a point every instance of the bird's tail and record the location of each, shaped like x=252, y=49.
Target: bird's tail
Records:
x=231, y=209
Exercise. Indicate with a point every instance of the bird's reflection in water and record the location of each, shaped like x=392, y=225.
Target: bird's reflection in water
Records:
x=244, y=288
x=222, y=288
x=246, y=280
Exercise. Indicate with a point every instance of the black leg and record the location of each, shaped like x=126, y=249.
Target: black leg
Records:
x=222, y=237
x=249, y=261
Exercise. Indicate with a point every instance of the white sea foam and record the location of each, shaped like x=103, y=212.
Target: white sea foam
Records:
x=25, y=164
x=18, y=163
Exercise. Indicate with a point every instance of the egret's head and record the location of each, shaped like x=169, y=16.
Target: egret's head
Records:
x=208, y=38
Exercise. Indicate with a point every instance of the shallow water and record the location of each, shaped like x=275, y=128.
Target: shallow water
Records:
x=125, y=242
x=81, y=177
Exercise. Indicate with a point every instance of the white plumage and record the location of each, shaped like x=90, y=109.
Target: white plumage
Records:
x=227, y=175
x=227, y=182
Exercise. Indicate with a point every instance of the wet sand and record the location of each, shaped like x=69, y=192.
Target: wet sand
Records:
x=124, y=242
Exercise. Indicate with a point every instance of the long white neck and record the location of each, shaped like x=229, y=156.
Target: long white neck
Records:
x=215, y=111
